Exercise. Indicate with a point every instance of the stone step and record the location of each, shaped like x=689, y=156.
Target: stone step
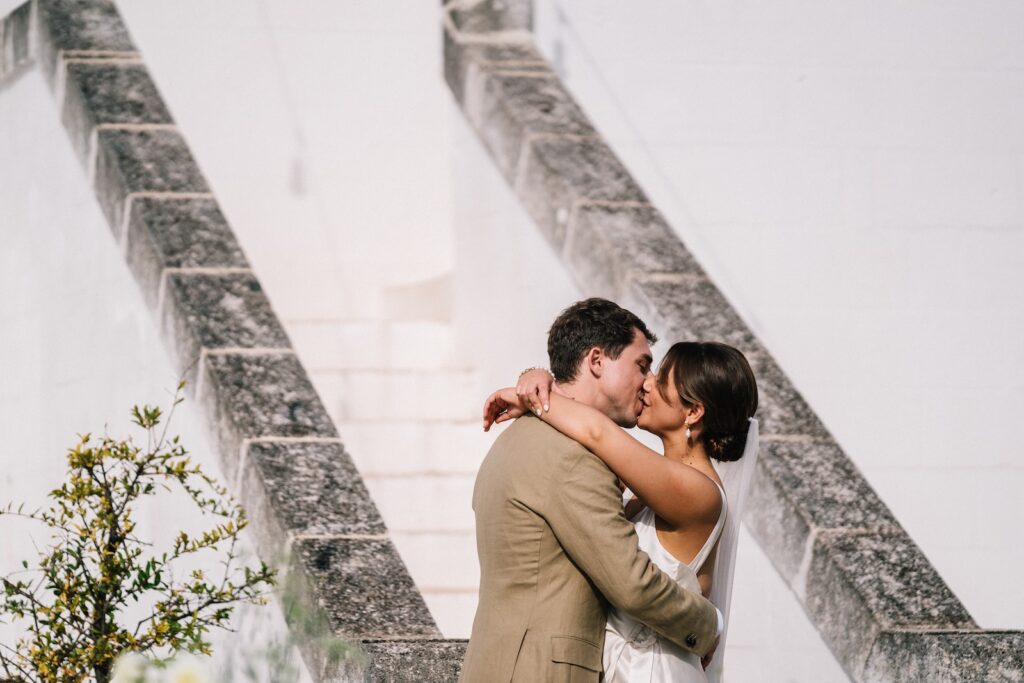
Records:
x=406, y=446
x=440, y=561
x=387, y=394
x=423, y=503
x=373, y=344
x=453, y=611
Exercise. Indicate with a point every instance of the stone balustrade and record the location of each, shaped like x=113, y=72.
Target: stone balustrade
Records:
x=877, y=601
x=879, y=604
x=273, y=437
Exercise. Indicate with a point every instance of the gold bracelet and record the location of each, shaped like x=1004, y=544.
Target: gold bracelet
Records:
x=528, y=370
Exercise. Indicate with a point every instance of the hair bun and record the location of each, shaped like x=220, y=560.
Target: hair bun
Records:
x=725, y=447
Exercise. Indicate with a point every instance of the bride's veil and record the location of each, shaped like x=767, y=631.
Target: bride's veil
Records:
x=736, y=477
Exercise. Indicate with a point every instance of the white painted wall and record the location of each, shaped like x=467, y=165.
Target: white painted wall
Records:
x=78, y=349
x=808, y=149
x=360, y=83
x=851, y=174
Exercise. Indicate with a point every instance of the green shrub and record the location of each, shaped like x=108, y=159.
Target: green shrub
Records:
x=73, y=607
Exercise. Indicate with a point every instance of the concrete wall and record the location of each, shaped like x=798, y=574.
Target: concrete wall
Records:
x=270, y=432
x=860, y=578
x=78, y=350
x=285, y=175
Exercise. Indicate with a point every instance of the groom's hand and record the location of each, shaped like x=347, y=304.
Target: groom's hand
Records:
x=501, y=406
x=705, y=661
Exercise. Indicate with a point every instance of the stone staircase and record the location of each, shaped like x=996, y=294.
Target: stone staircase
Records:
x=408, y=412
x=874, y=597
x=271, y=432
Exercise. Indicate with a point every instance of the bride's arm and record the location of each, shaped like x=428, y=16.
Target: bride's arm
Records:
x=676, y=492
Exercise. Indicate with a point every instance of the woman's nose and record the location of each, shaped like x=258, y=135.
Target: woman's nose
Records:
x=649, y=382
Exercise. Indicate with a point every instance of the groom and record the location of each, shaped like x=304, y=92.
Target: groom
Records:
x=555, y=547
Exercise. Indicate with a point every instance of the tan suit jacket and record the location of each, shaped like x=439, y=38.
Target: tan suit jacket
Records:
x=555, y=548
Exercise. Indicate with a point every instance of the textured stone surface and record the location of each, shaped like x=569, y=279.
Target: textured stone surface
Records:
x=412, y=661
x=950, y=657
x=363, y=588
x=98, y=93
x=832, y=492
x=779, y=523
x=293, y=488
x=607, y=245
x=561, y=171
x=505, y=108
x=393, y=661
x=213, y=311
x=802, y=486
x=178, y=233
x=781, y=409
x=142, y=161
x=866, y=578
x=460, y=59
x=489, y=16
x=14, y=39
x=860, y=584
x=263, y=395
x=79, y=26
x=689, y=309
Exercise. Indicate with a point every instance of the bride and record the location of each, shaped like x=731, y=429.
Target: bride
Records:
x=685, y=507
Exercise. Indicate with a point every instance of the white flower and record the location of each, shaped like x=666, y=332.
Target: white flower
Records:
x=187, y=669
x=129, y=668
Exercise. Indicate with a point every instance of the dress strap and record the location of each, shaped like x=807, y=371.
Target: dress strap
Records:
x=709, y=544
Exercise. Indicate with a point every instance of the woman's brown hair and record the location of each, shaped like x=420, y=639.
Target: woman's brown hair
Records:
x=718, y=377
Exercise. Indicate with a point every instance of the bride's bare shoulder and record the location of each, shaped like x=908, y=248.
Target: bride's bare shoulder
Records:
x=699, y=500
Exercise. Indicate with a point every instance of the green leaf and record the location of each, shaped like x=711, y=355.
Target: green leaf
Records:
x=95, y=565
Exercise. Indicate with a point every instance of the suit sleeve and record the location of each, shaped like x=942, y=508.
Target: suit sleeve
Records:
x=585, y=513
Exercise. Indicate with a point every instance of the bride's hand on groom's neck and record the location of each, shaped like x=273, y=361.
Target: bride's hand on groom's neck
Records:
x=532, y=393
x=501, y=406
x=534, y=387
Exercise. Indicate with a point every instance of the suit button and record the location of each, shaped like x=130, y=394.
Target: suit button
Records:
x=691, y=640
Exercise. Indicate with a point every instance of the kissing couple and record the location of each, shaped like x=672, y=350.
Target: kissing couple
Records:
x=601, y=559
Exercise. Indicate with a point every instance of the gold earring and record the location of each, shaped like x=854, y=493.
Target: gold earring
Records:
x=687, y=424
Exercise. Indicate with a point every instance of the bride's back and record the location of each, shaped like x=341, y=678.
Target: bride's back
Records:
x=685, y=539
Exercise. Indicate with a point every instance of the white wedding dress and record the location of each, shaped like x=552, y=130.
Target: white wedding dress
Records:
x=633, y=653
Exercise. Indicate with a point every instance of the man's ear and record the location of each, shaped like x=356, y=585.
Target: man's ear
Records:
x=594, y=361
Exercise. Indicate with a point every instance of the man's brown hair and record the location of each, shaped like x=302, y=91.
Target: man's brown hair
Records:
x=586, y=324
